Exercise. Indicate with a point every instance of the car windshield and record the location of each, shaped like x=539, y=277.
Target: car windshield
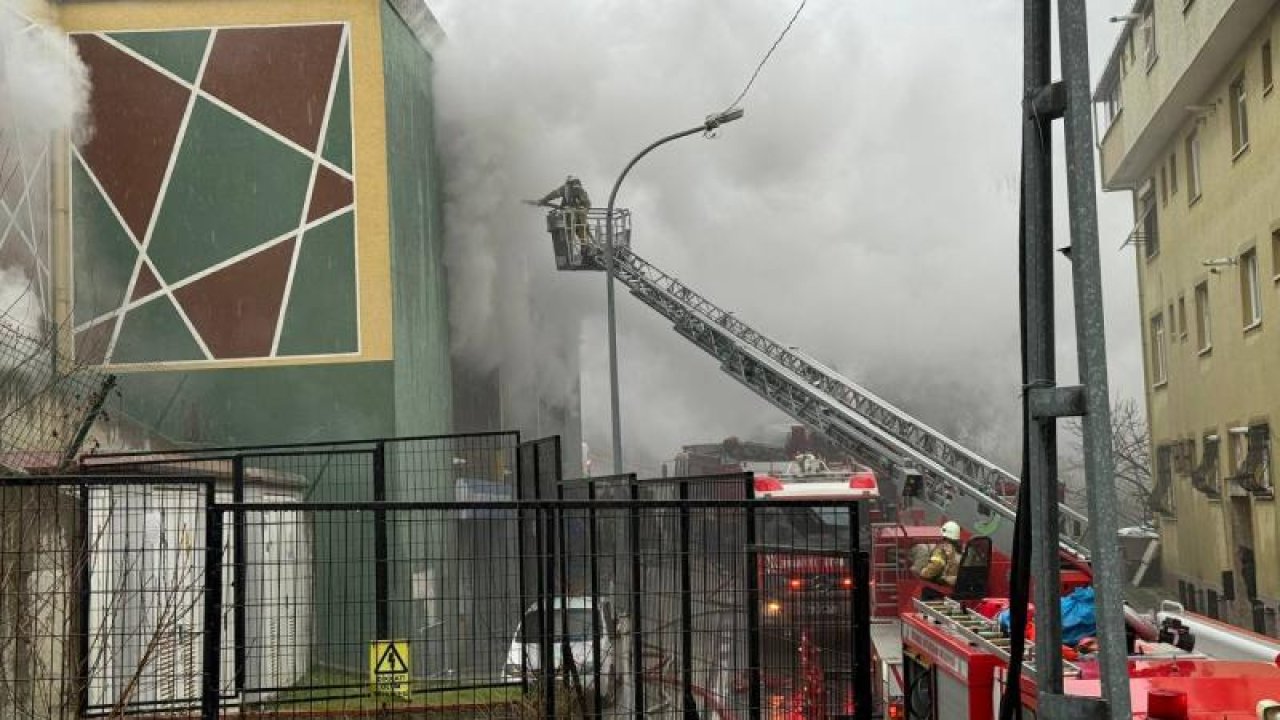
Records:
x=579, y=623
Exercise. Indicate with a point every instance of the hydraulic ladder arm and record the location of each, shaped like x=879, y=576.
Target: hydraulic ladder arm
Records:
x=956, y=481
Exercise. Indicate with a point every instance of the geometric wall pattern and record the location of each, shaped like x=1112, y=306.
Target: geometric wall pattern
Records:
x=213, y=208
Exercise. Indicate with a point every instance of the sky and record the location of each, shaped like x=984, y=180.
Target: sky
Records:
x=865, y=208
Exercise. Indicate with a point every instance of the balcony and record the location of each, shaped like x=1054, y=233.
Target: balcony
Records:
x=1193, y=49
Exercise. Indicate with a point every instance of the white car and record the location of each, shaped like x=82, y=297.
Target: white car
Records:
x=524, y=658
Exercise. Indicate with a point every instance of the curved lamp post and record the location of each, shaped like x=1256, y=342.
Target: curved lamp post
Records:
x=711, y=123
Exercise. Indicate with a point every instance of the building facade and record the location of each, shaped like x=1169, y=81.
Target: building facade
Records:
x=255, y=236
x=1189, y=123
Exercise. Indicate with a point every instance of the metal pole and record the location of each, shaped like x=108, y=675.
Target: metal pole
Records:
x=1037, y=153
x=637, y=602
x=84, y=582
x=859, y=568
x=1091, y=346
x=755, y=699
x=240, y=574
x=594, y=548
x=210, y=676
x=711, y=123
x=381, y=575
x=688, y=703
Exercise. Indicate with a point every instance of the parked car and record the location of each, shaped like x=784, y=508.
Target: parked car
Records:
x=574, y=619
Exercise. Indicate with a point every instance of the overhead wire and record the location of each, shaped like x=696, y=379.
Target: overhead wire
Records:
x=764, y=60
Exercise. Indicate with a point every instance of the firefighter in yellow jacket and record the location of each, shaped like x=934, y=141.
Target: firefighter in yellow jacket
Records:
x=944, y=561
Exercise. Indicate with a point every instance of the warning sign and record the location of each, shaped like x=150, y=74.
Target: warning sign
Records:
x=389, y=667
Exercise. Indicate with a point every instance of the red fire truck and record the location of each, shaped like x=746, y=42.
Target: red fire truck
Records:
x=944, y=658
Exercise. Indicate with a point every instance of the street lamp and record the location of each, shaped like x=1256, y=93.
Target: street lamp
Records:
x=711, y=123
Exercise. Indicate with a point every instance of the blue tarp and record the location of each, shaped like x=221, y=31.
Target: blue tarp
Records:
x=1078, y=619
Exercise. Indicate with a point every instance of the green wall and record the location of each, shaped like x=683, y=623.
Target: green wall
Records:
x=422, y=366
x=254, y=406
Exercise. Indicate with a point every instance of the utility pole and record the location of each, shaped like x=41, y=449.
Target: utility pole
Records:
x=1045, y=101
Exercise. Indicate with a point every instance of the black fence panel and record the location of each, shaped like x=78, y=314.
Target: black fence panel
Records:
x=457, y=576
x=103, y=589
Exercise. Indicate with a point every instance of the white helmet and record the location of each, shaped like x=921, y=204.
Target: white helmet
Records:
x=950, y=530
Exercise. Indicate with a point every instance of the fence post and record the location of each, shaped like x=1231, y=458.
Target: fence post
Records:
x=381, y=580
x=859, y=567
x=211, y=673
x=546, y=614
x=84, y=589
x=754, y=697
x=593, y=559
x=240, y=573
x=637, y=600
x=522, y=524
x=690, y=706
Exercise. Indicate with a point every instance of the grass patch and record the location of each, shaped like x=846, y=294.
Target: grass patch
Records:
x=330, y=691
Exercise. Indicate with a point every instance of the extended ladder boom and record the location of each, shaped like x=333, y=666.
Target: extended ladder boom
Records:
x=968, y=488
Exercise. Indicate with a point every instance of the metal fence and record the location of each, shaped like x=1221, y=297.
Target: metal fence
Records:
x=47, y=403
x=109, y=589
x=479, y=592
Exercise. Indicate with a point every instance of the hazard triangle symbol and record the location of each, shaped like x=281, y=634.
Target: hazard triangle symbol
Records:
x=391, y=663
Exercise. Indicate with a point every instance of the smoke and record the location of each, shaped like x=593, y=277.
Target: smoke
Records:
x=44, y=90
x=43, y=85
x=865, y=209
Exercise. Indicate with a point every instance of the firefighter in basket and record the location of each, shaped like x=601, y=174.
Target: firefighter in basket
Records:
x=574, y=200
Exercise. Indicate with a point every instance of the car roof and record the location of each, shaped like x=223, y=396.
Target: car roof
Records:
x=818, y=490
x=573, y=602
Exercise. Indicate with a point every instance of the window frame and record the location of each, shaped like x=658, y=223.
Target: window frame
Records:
x=1204, y=319
x=1268, y=69
x=1194, y=188
x=1182, y=318
x=1149, y=50
x=1275, y=254
x=1150, y=223
x=1159, y=352
x=1238, y=96
x=1250, y=289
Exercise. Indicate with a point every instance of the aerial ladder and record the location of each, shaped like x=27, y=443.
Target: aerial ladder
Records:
x=947, y=477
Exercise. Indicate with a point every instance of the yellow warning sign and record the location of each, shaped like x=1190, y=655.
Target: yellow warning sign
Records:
x=389, y=667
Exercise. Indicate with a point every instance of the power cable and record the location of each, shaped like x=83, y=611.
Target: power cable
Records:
x=767, y=55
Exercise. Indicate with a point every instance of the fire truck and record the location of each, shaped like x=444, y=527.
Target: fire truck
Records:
x=936, y=654
x=804, y=579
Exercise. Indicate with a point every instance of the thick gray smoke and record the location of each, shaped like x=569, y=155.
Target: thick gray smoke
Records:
x=44, y=91
x=865, y=209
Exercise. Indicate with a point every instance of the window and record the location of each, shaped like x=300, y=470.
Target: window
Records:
x=1250, y=291
x=1150, y=226
x=1204, y=327
x=1112, y=105
x=1173, y=322
x=1159, y=374
x=1173, y=173
x=1239, y=116
x=1193, y=166
x=1275, y=254
x=1162, y=493
x=1266, y=67
x=1164, y=186
x=1204, y=477
x=1182, y=318
x=1251, y=457
x=1149, y=34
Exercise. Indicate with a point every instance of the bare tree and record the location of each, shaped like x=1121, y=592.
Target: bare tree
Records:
x=1131, y=450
